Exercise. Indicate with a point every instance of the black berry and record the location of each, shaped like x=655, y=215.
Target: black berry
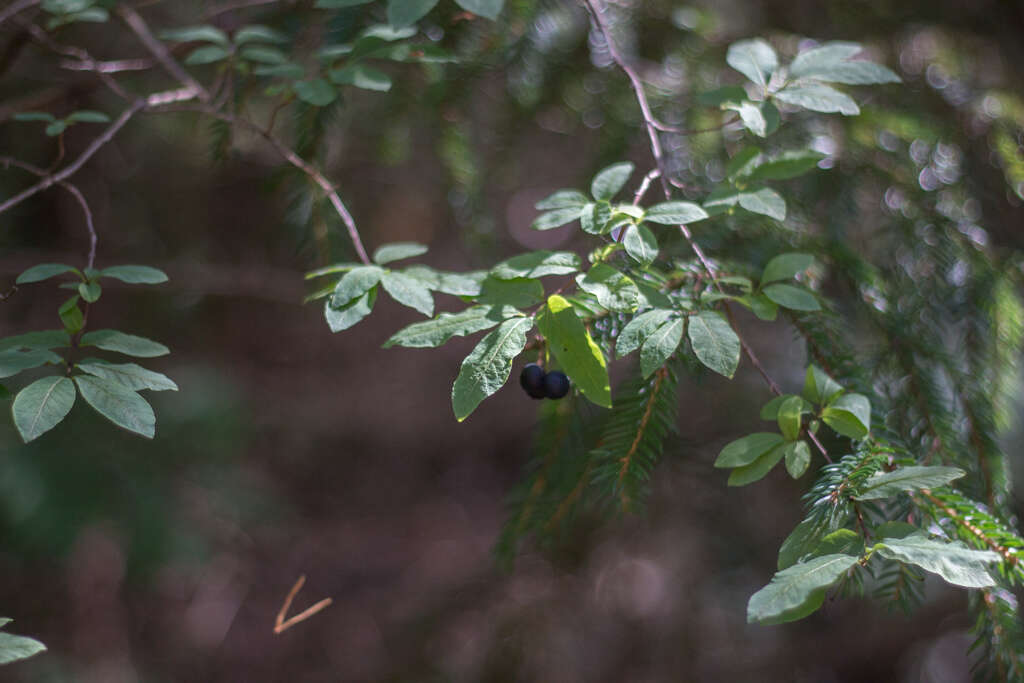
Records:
x=556, y=384
x=532, y=380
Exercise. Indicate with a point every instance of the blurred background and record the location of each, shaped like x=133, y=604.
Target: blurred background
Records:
x=290, y=450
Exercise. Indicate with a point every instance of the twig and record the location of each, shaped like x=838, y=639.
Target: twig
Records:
x=282, y=624
x=79, y=197
x=644, y=184
x=16, y=7
x=108, y=67
x=138, y=25
x=48, y=181
x=84, y=58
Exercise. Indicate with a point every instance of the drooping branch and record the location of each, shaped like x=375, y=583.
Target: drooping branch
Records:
x=314, y=174
x=652, y=126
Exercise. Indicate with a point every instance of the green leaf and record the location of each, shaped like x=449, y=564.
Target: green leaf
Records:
x=40, y=406
x=785, y=166
x=458, y=284
x=577, y=354
x=789, y=417
x=344, y=317
x=755, y=471
x=90, y=291
x=855, y=73
x=316, y=92
x=128, y=344
x=71, y=315
x=895, y=530
x=675, y=213
x=720, y=96
x=135, y=275
x=798, y=458
x=786, y=266
x=195, y=34
x=763, y=307
x=520, y=293
x=398, y=251
x=640, y=244
x=613, y=290
x=748, y=449
x=535, y=264
x=801, y=542
x=433, y=333
x=407, y=12
x=207, y=54
x=660, y=345
x=818, y=97
x=45, y=339
x=638, y=329
x=770, y=410
x=87, y=116
x=753, y=119
x=850, y=415
x=764, y=201
x=34, y=116
x=13, y=361
x=257, y=33
x=14, y=648
x=798, y=590
x=485, y=8
x=839, y=542
x=714, y=342
x=56, y=128
x=361, y=76
x=755, y=59
x=263, y=54
x=826, y=55
x=831, y=62
x=563, y=199
x=288, y=70
x=557, y=218
x=486, y=368
x=595, y=219
x=910, y=478
x=742, y=161
x=129, y=375
x=610, y=180
x=954, y=562
x=355, y=283
x=117, y=403
x=408, y=291
x=44, y=271
x=819, y=387
x=795, y=298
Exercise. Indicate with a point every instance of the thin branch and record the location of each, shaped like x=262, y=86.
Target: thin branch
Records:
x=48, y=181
x=84, y=58
x=282, y=624
x=108, y=67
x=75, y=192
x=298, y=162
x=16, y=7
x=644, y=185
x=159, y=51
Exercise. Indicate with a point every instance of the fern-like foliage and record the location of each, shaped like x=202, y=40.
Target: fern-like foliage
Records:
x=634, y=435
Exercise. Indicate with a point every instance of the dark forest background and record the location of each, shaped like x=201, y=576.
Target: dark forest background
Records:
x=292, y=451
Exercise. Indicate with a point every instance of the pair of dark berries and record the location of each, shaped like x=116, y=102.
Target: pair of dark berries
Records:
x=540, y=384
